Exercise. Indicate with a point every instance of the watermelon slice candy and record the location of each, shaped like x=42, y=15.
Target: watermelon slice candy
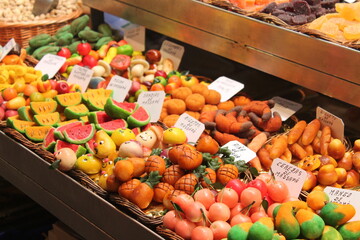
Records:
x=79, y=134
x=49, y=140
x=78, y=149
x=90, y=146
x=136, y=130
x=111, y=126
x=120, y=110
x=139, y=118
x=99, y=117
x=58, y=131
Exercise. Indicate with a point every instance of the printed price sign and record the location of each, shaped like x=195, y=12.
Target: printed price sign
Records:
x=120, y=86
x=291, y=175
x=80, y=75
x=335, y=123
x=152, y=101
x=7, y=48
x=172, y=51
x=226, y=87
x=285, y=107
x=345, y=196
x=192, y=127
x=135, y=35
x=239, y=151
x=50, y=64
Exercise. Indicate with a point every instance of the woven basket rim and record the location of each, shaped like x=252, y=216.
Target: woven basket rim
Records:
x=47, y=21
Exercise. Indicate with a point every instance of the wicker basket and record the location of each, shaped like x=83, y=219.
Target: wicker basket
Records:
x=22, y=32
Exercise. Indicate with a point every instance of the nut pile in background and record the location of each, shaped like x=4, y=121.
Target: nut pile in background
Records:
x=21, y=10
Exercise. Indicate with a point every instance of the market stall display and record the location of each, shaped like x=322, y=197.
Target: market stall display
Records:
x=111, y=147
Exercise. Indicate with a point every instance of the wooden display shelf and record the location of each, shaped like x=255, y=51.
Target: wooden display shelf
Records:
x=316, y=64
x=89, y=215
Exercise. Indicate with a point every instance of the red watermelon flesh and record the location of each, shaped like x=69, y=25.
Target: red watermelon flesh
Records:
x=111, y=126
x=49, y=140
x=136, y=130
x=90, y=146
x=58, y=131
x=79, y=134
x=78, y=149
x=99, y=117
x=139, y=118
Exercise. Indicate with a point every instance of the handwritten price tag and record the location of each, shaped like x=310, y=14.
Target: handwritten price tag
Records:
x=80, y=75
x=285, y=107
x=335, y=123
x=172, y=51
x=152, y=102
x=120, y=86
x=239, y=151
x=135, y=35
x=50, y=64
x=7, y=48
x=192, y=127
x=345, y=196
x=226, y=87
x=291, y=175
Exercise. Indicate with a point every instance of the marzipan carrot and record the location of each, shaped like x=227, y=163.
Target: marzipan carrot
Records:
x=257, y=142
x=264, y=157
x=309, y=150
x=296, y=131
x=255, y=162
x=287, y=156
x=310, y=132
x=316, y=144
x=325, y=139
x=298, y=151
x=279, y=147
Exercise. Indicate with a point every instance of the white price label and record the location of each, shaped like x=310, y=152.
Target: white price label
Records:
x=50, y=64
x=285, y=107
x=135, y=35
x=226, y=87
x=239, y=151
x=152, y=101
x=7, y=48
x=335, y=123
x=291, y=175
x=345, y=196
x=192, y=127
x=172, y=51
x=80, y=75
x=120, y=86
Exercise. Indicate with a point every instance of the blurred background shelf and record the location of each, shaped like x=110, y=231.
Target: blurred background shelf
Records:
x=316, y=64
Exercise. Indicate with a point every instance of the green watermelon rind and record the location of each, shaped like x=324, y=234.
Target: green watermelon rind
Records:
x=40, y=124
x=24, y=113
x=58, y=131
x=71, y=114
x=80, y=141
x=57, y=98
x=92, y=106
x=10, y=123
x=51, y=145
x=100, y=126
x=79, y=152
x=117, y=112
x=133, y=122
